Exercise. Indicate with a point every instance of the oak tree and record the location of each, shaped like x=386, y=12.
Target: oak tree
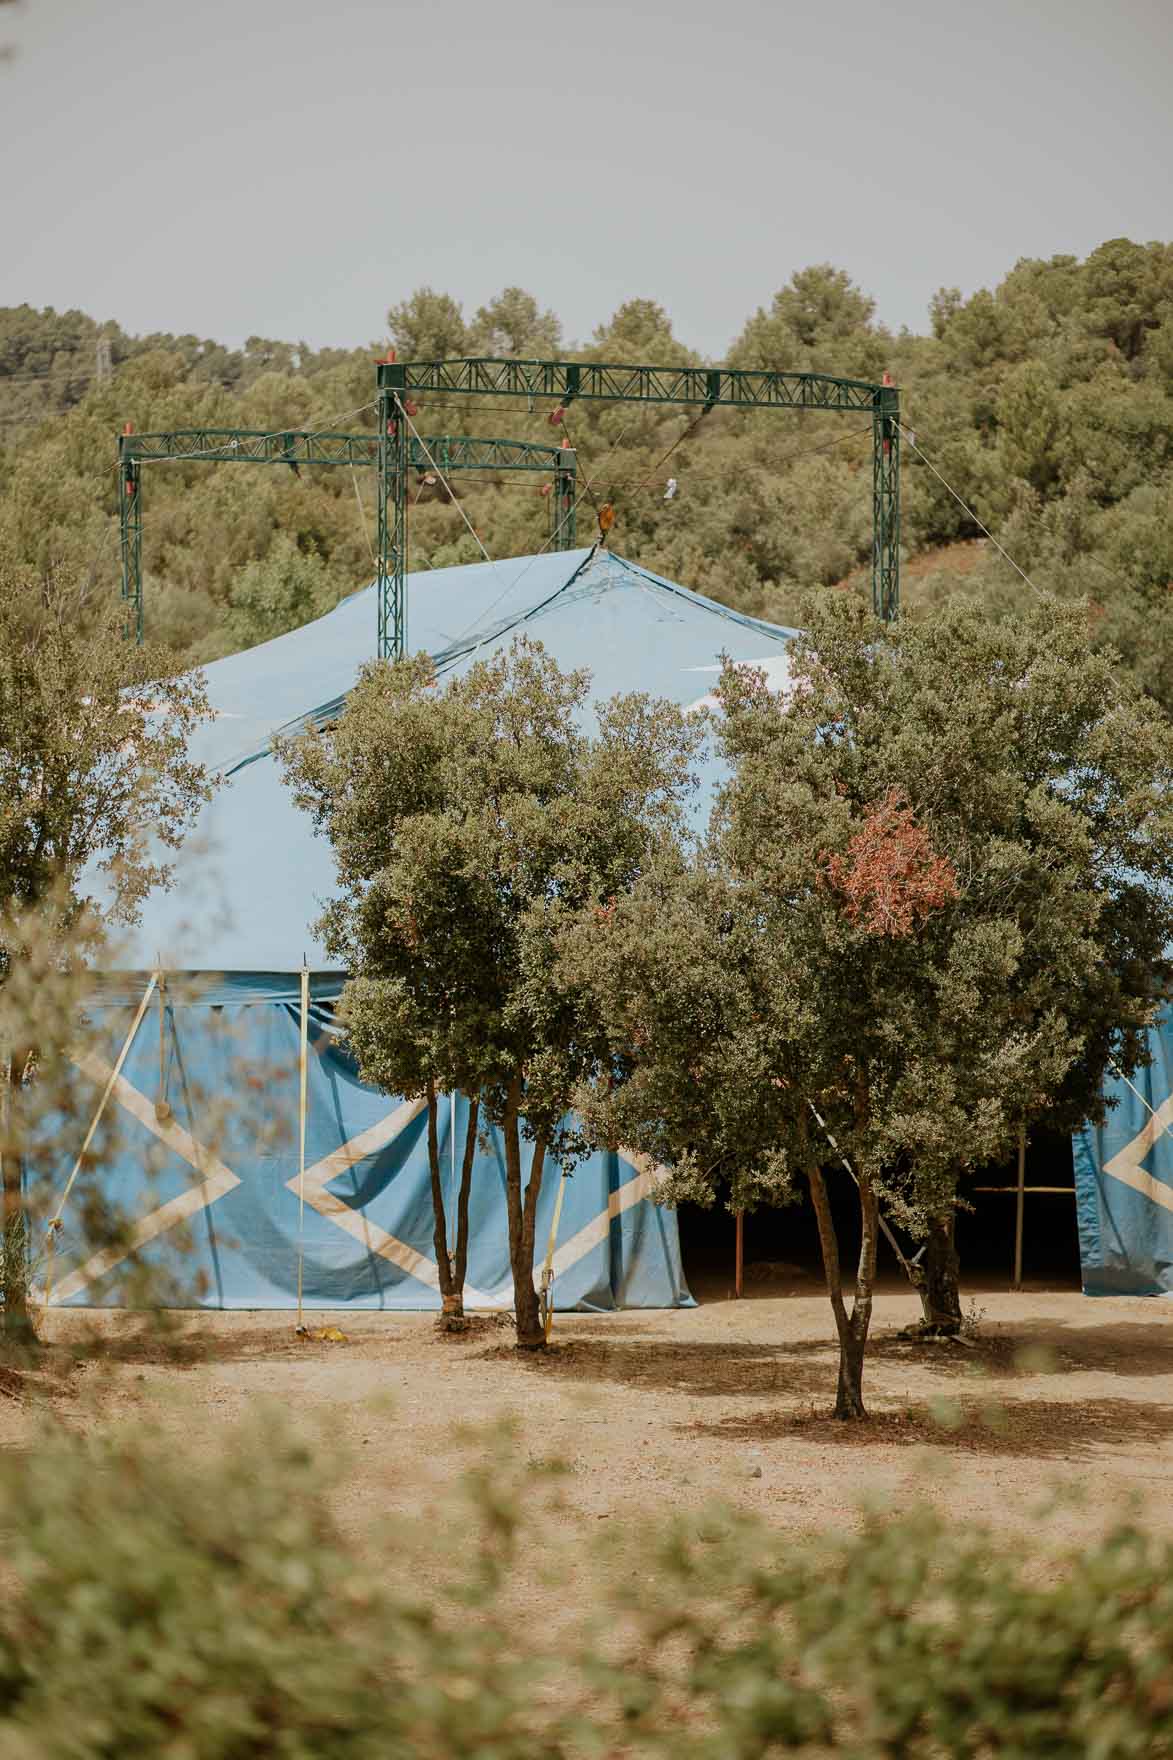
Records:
x=935, y=901
x=96, y=792
x=469, y=824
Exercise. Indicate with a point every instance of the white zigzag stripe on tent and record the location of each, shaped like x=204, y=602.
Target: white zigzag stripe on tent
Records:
x=370, y=1141
x=217, y=1180
x=355, y=1222
x=1125, y=1165
x=593, y=1233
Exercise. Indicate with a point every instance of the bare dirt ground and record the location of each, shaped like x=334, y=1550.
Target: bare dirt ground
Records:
x=659, y=1411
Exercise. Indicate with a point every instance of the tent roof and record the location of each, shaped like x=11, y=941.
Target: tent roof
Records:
x=252, y=877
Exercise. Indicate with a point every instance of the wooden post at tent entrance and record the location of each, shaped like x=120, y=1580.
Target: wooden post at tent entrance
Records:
x=739, y=1255
x=303, y=1070
x=1019, y=1205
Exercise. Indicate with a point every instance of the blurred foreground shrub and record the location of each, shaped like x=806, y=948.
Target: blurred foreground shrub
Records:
x=152, y=1608
x=913, y=1636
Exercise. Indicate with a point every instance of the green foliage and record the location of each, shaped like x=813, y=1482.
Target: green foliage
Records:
x=285, y=589
x=915, y=1636
x=93, y=736
x=1046, y=402
x=16, y=1259
x=427, y=327
x=819, y=322
x=1044, y=782
x=937, y=899
x=157, y=1608
x=96, y=792
x=159, y=1611
x=469, y=825
x=514, y=324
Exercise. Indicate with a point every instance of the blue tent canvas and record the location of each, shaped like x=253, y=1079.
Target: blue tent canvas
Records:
x=1124, y=1182
x=207, y=1094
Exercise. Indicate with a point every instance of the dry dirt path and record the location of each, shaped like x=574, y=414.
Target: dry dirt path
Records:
x=658, y=1411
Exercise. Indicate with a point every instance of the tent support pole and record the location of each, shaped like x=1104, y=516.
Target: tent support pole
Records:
x=1019, y=1204
x=303, y=1070
x=547, y=1291
x=162, y=1034
x=452, y=1162
x=55, y=1222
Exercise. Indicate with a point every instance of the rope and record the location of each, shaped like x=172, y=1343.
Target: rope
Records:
x=632, y=485
x=446, y=483
x=452, y=654
x=1121, y=1077
x=55, y=1220
x=969, y=510
x=635, y=485
x=741, y=618
x=362, y=520
x=1118, y=579
x=516, y=583
x=909, y=1268
x=588, y=481
x=605, y=514
x=588, y=485
x=473, y=405
x=679, y=441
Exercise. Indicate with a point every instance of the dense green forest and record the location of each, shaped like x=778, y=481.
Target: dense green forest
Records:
x=1047, y=405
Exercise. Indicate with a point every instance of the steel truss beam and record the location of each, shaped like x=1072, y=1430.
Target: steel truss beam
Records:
x=244, y=446
x=450, y=453
x=711, y=387
x=579, y=381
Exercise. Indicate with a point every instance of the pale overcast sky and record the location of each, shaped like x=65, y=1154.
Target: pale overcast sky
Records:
x=292, y=167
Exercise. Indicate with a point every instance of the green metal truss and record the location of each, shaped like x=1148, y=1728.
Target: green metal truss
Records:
x=396, y=449
x=571, y=381
x=711, y=387
x=448, y=453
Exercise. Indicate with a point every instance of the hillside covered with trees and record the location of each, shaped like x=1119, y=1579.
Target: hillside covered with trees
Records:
x=1046, y=404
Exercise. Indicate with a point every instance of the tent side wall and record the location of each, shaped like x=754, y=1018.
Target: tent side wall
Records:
x=205, y=1175
x=1124, y=1183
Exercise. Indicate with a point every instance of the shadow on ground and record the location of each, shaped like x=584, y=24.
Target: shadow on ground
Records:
x=1039, y=1429
x=800, y=1368
x=1130, y=1348
x=37, y=1373
x=175, y=1348
x=704, y=1370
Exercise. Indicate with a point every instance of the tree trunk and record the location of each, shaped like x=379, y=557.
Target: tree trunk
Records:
x=451, y=1293
x=466, y=1167
x=849, y=1393
x=940, y=1293
x=18, y=1326
x=852, y=1328
x=522, y=1217
x=531, y=1334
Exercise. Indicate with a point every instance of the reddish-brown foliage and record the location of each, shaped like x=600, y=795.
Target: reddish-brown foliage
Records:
x=891, y=878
